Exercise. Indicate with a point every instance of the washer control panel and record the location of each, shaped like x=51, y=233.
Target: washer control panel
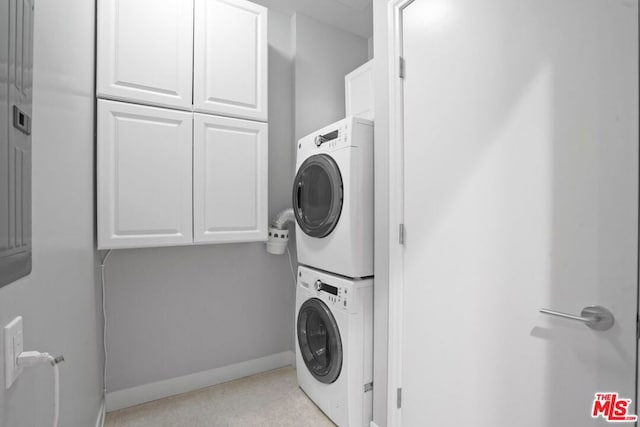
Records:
x=334, y=295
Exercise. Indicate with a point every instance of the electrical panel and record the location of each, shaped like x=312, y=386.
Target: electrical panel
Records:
x=16, y=87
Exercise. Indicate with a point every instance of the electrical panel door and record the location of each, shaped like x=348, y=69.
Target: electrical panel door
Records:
x=16, y=57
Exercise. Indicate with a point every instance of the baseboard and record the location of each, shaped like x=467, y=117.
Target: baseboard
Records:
x=157, y=390
x=101, y=414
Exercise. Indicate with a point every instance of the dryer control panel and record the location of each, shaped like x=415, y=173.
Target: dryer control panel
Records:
x=348, y=132
x=333, y=138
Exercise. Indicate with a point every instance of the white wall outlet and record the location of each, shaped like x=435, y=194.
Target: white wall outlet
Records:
x=13, y=346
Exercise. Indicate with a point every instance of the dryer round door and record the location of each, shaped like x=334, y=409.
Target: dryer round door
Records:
x=317, y=195
x=319, y=341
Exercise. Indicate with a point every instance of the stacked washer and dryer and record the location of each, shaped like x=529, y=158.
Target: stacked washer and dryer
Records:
x=333, y=207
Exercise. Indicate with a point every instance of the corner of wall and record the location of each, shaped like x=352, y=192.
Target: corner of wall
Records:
x=323, y=55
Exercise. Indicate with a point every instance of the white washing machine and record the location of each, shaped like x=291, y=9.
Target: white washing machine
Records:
x=333, y=198
x=334, y=350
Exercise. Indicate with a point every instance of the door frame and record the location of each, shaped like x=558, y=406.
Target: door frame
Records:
x=395, y=86
x=395, y=9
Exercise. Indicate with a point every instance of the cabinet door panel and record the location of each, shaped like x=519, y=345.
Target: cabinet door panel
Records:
x=144, y=176
x=145, y=51
x=230, y=180
x=359, y=92
x=230, y=74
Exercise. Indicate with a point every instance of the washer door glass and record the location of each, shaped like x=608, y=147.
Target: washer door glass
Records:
x=317, y=195
x=319, y=340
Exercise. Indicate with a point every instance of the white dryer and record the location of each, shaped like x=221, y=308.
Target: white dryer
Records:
x=333, y=198
x=334, y=350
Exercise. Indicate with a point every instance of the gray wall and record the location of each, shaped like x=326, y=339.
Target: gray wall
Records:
x=324, y=55
x=172, y=311
x=177, y=311
x=59, y=299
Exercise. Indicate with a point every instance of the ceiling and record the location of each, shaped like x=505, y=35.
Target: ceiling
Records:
x=354, y=16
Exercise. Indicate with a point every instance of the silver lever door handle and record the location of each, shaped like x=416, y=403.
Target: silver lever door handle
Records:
x=594, y=316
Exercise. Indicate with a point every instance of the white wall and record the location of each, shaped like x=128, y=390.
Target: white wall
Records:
x=178, y=311
x=381, y=212
x=59, y=299
x=323, y=56
x=350, y=16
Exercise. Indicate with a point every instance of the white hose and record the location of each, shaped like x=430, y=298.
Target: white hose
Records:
x=56, y=394
x=30, y=358
x=56, y=387
x=104, y=324
x=293, y=274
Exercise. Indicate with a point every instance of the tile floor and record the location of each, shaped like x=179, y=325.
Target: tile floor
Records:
x=270, y=399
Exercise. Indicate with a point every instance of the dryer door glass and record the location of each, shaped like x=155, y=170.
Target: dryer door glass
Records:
x=319, y=341
x=317, y=195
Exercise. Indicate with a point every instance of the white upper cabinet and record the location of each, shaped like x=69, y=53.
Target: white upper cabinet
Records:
x=144, y=176
x=145, y=51
x=167, y=175
x=230, y=180
x=230, y=63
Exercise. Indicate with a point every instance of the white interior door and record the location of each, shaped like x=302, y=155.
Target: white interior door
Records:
x=520, y=193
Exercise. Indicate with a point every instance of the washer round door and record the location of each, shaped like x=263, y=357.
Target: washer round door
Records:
x=317, y=195
x=319, y=341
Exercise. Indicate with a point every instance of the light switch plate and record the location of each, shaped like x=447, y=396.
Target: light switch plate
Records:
x=13, y=346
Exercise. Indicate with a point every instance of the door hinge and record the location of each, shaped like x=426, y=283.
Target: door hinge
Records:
x=401, y=67
x=399, y=398
x=401, y=234
x=638, y=327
